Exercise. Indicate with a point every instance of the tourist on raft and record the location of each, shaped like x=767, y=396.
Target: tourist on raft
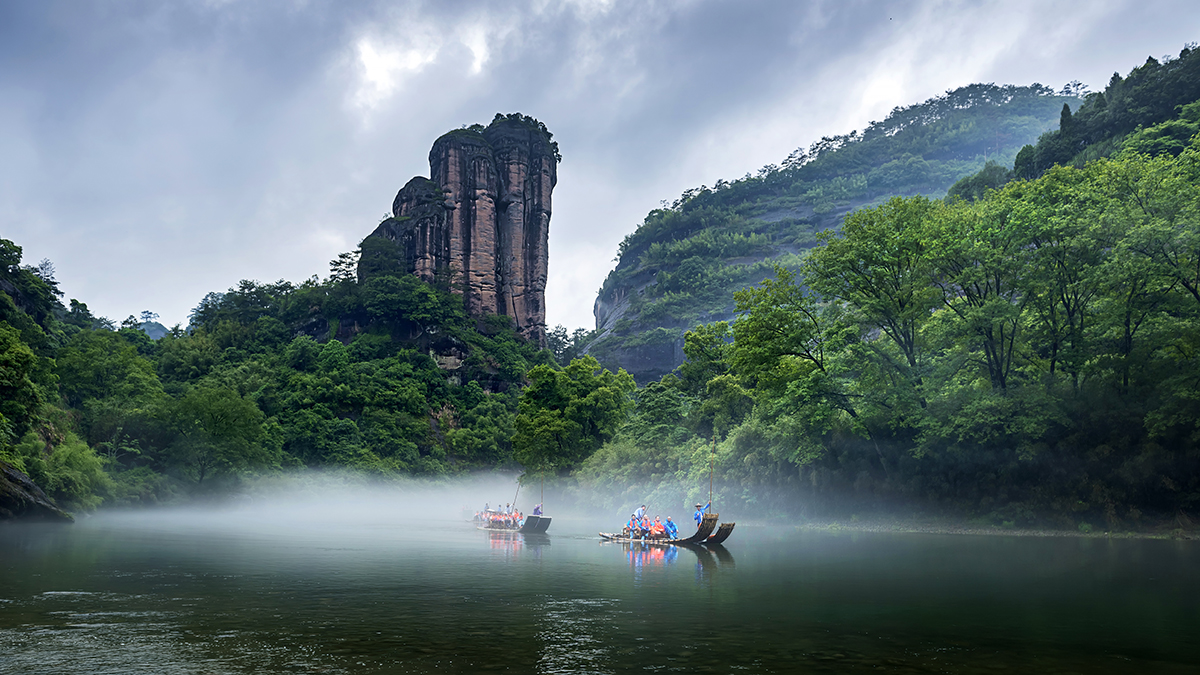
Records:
x=637, y=527
x=671, y=529
x=657, y=531
x=507, y=518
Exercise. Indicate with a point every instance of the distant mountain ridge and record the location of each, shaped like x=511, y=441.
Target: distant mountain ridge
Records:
x=681, y=266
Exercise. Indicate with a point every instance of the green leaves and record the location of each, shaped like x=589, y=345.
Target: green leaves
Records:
x=21, y=398
x=217, y=431
x=880, y=266
x=565, y=415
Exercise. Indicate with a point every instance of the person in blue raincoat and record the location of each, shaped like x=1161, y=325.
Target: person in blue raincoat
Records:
x=671, y=528
x=699, y=515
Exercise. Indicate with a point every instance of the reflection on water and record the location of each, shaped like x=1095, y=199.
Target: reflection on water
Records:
x=642, y=555
x=511, y=545
x=199, y=593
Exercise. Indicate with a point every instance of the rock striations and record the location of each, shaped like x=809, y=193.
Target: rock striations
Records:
x=481, y=221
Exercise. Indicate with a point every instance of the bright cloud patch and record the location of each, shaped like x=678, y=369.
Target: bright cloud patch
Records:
x=384, y=68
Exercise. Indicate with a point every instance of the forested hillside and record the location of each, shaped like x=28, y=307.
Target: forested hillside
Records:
x=1030, y=356
x=683, y=264
x=1026, y=350
x=386, y=376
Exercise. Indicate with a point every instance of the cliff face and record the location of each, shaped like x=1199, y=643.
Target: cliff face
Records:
x=21, y=498
x=482, y=219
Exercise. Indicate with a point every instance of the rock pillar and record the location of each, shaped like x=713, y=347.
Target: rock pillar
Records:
x=481, y=221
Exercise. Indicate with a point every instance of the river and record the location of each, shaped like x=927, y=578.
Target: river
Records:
x=230, y=592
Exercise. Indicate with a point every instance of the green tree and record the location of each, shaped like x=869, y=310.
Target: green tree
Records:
x=217, y=431
x=792, y=351
x=566, y=415
x=977, y=262
x=781, y=332
x=707, y=350
x=1063, y=275
x=102, y=364
x=21, y=398
x=880, y=265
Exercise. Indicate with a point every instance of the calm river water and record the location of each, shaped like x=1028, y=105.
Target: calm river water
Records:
x=178, y=592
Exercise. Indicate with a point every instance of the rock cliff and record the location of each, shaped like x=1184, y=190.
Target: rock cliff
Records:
x=21, y=498
x=481, y=221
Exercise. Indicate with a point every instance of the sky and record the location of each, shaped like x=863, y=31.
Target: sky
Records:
x=155, y=152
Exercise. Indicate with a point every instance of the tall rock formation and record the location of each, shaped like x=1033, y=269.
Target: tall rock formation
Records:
x=482, y=220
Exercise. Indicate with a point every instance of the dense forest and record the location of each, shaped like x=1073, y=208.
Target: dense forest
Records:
x=683, y=263
x=386, y=376
x=1024, y=350
x=1033, y=354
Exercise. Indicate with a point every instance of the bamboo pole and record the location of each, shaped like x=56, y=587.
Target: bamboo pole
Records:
x=712, y=459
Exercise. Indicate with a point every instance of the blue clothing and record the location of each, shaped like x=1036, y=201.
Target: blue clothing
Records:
x=640, y=513
x=537, y=510
x=672, y=530
x=699, y=515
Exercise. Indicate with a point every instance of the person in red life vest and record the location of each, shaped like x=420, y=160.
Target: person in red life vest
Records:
x=656, y=529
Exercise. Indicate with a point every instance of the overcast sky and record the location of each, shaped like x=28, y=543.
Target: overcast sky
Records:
x=156, y=151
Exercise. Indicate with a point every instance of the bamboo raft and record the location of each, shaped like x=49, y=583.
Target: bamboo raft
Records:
x=532, y=525
x=704, y=534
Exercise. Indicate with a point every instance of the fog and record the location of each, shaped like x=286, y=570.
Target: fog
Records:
x=343, y=504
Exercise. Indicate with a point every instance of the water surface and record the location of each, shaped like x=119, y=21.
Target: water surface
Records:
x=177, y=592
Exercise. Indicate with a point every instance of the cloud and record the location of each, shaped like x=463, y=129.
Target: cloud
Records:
x=384, y=68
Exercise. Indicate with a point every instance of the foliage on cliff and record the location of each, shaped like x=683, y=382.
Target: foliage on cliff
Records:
x=684, y=262
x=1154, y=109
x=1030, y=356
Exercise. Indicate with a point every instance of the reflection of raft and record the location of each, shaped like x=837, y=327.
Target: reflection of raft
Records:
x=704, y=534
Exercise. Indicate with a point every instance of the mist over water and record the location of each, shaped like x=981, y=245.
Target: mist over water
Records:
x=335, y=575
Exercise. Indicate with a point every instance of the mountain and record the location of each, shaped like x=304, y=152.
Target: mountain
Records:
x=1153, y=110
x=481, y=222
x=1149, y=94
x=682, y=264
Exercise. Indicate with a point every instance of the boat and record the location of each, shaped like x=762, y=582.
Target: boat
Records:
x=704, y=534
x=495, y=521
